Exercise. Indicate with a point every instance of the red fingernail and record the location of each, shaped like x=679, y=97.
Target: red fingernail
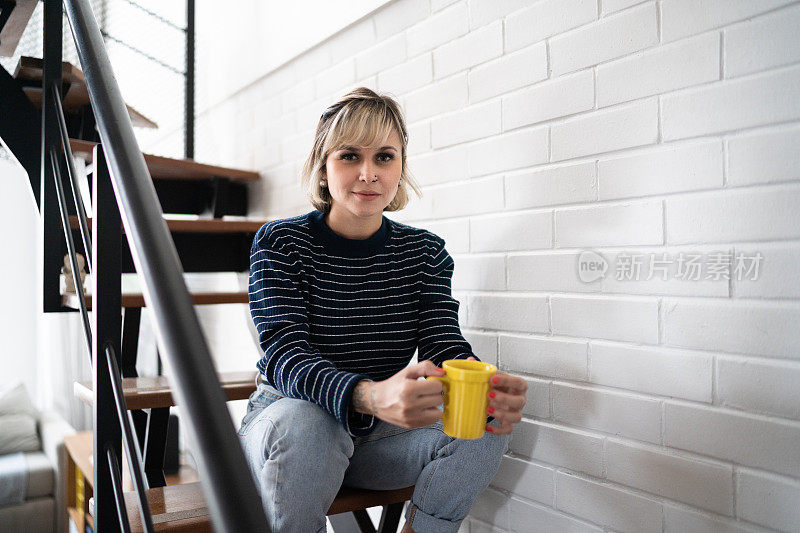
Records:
x=495, y=380
x=491, y=410
x=489, y=428
x=492, y=394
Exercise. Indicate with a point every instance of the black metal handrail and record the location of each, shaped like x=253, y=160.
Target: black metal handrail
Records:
x=116, y=482
x=234, y=506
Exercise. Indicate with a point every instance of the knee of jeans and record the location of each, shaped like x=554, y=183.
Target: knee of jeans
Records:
x=305, y=425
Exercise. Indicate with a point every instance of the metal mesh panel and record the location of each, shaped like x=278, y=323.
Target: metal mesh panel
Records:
x=146, y=43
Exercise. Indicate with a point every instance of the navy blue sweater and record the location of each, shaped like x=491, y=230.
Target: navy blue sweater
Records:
x=332, y=311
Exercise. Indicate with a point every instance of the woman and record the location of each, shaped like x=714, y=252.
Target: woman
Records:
x=341, y=298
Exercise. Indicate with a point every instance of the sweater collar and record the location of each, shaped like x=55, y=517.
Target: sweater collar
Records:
x=338, y=245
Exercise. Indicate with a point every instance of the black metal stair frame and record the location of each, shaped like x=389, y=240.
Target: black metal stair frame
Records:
x=124, y=195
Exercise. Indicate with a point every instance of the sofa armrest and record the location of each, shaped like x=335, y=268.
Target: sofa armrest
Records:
x=53, y=429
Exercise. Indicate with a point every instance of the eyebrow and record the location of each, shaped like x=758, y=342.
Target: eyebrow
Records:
x=357, y=149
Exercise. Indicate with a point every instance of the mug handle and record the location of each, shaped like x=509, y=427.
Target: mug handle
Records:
x=444, y=379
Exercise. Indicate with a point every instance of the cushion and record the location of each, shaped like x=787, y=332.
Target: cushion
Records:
x=40, y=475
x=15, y=400
x=18, y=434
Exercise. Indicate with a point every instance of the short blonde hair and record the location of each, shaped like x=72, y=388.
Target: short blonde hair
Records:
x=360, y=118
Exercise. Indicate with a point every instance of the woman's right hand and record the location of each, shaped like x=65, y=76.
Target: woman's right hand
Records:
x=402, y=400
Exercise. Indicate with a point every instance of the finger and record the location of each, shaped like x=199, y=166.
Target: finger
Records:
x=507, y=383
x=502, y=429
x=471, y=358
x=503, y=400
x=505, y=416
x=423, y=369
x=428, y=417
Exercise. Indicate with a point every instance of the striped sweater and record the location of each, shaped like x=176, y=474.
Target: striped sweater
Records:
x=332, y=311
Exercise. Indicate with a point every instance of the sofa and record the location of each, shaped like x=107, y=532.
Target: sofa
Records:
x=42, y=456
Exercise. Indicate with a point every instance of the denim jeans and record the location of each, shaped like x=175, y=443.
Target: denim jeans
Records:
x=300, y=456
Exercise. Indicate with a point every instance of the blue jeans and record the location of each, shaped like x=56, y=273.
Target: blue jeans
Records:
x=300, y=456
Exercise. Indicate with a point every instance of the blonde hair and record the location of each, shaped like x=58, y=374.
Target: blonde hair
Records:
x=360, y=118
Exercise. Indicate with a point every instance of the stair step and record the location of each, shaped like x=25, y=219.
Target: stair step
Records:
x=15, y=26
x=175, y=169
x=137, y=300
x=155, y=392
x=29, y=74
x=173, y=508
x=199, y=225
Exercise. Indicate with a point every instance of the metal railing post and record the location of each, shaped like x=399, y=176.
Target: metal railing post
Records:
x=107, y=316
x=189, y=111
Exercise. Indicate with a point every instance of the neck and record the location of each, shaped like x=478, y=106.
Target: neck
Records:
x=350, y=226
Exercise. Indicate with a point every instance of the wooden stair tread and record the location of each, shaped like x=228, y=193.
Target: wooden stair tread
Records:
x=201, y=225
x=15, y=26
x=155, y=392
x=29, y=69
x=173, y=508
x=137, y=299
x=179, y=169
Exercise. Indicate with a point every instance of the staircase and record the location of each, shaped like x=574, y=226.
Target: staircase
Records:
x=171, y=208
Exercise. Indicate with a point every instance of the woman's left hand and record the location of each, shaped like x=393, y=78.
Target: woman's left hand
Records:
x=506, y=400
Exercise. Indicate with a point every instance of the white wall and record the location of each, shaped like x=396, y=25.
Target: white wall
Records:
x=542, y=129
x=18, y=329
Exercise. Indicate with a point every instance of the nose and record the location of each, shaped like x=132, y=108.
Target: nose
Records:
x=367, y=172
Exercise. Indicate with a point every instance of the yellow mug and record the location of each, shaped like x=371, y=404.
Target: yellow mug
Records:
x=466, y=389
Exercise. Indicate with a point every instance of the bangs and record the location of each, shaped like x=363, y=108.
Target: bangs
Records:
x=363, y=126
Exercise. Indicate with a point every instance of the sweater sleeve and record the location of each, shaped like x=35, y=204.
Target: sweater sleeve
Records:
x=290, y=363
x=440, y=337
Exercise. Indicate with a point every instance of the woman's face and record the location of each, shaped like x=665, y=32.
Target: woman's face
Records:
x=357, y=169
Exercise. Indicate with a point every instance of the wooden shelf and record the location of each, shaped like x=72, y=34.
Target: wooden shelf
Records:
x=137, y=299
x=174, y=169
x=154, y=392
x=198, y=225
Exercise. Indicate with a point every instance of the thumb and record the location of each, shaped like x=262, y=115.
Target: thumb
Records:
x=425, y=368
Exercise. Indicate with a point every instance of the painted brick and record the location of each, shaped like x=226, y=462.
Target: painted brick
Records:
x=419, y=138
x=471, y=198
x=556, y=98
x=381, y=56
x=482, y=12
x=491, y=506
x=768, y=500
x=681, y=18
x=749, y=215
x=547, y=271
x=618, y=318
x=768, y=387
x=608, y=38
x=509, y=72
x=617, y=508
x=454, y=232
x=472, y=123
x=612, y=6
x=405, y=77
x=473, y=49
x=398, y=16
x=442, y=97
x=510, y=151
x=479, y=273
x=659, y=70
x=508, y=232
x=537, y=398
x=766, y=42
x=545, y=19
x=778, y=274
x=756, y=100
x=663, y=170
x=531, y=518
x=443, y=27
x=661, y=371
x=609, y=225
x=764, y=157
x=700, y=483
x=531, y=481
x=509, y=313
x=680, y=520
x=573, y=449
x=336, y=79
x=484, y=345
x=658, y=271
x=752, y=327
x=622, y=414
x=750, y=440
x=560, y=184
x=616, y=128
x=356, y=38
x=437, y=5
x=439, y=166
x=543, y=356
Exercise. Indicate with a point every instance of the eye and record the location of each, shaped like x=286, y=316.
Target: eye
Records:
x=389, y=156
x=346, y=155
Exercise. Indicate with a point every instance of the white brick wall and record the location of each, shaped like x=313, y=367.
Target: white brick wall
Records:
x=543, y=128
